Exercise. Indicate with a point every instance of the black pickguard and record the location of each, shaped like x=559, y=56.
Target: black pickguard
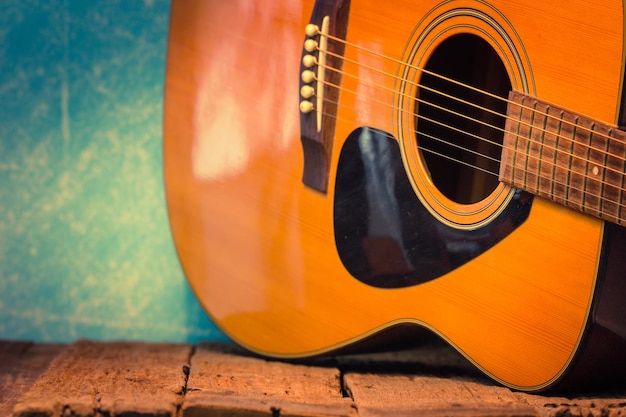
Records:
x=384, y=235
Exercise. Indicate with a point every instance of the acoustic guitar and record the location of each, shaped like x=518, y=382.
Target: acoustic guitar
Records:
x=343, y=172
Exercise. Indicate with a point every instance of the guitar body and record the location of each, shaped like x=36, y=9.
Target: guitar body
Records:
x=519, y=285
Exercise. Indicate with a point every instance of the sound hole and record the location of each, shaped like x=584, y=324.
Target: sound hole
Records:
x=459, y=129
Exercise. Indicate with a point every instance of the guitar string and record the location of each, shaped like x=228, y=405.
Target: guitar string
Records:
x=544, y=146
x=442, y=77
x=492, y=126
x=482, y=108
x=447, y=110
x=529, y=137
x=552, y=165
x=534, y=111
x=555, y=164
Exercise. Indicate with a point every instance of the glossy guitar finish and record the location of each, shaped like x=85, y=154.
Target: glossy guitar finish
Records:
x=519, y=285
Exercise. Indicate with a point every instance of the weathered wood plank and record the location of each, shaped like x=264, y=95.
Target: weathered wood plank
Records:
x=138, y=379
x=222, y=383
x=401, y=395
x=599, y=405
x=120, y=379
x=21, y=363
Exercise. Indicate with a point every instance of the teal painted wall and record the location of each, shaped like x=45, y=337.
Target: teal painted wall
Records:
x=85, y=245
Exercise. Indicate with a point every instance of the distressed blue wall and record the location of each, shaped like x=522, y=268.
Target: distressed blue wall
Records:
x=85, y=245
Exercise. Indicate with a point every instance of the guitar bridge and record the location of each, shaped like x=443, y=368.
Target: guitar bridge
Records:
x=320, y=78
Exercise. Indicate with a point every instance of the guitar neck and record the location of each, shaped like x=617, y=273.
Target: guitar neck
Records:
x=564, y=157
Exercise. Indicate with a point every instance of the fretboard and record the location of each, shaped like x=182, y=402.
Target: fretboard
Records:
x=564, y=157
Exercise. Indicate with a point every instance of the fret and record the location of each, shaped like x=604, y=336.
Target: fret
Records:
x=567, y=158
x=509, y=141
x=521, y=146
x=596, y=161
x=580, y=142
x=535, y=148
x=564, y=149
x=613, y=203
x=549, y=151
